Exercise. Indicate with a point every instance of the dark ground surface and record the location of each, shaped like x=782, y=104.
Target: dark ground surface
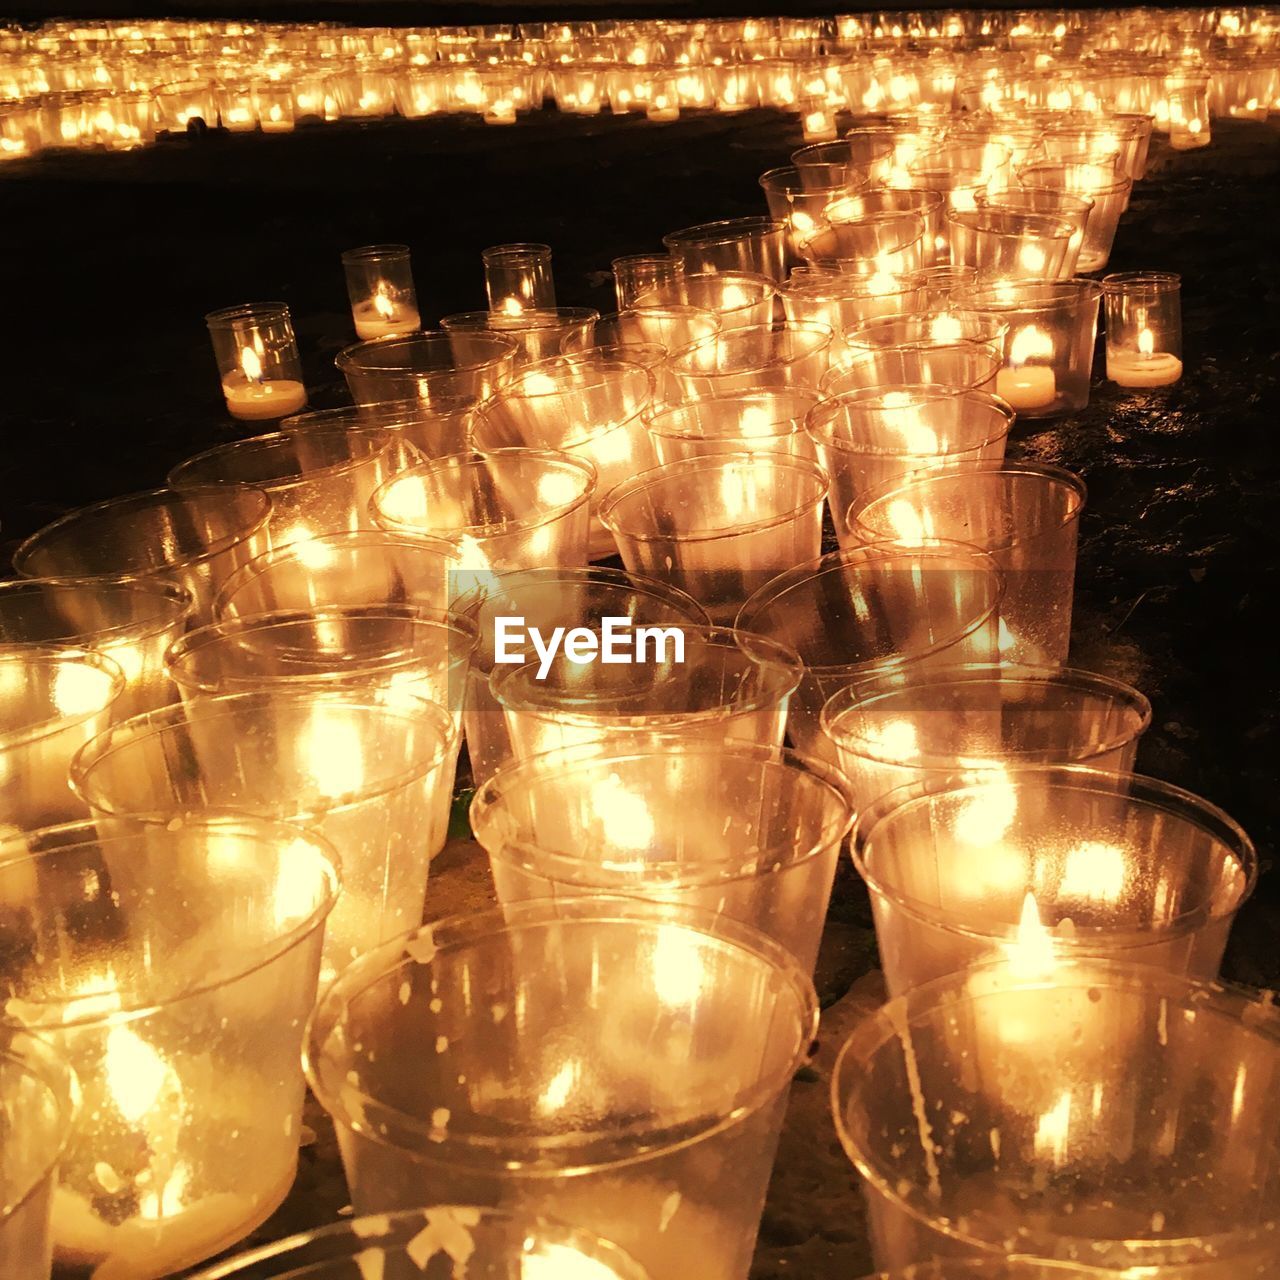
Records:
x=112, y=261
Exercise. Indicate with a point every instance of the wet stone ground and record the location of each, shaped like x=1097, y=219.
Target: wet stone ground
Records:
x=112, y=261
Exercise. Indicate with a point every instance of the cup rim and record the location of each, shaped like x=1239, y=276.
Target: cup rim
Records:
x=419, y=618
x=256, y=312
x=257, y=567
x=54, y=658
x=148, y=499
x=1144, y=282
x=581, y=468
x=1069, y=480
x=39, y=1060
x=768, y=596
x=671, y=472
x=66, y=838
x=824, y=435
x=882, y=686
x=374, y=1230
x=896, y=1017
x=271, y=441
x=786, y=668
x=663, y=430
x=553, y=766
x=820, y=338
x=1143, y=791
x=1042, y=226
x=867, y=357
x=720, y=231
x=151, y=724
x=1037, y=296
x=356, y=356
x=175, y=604
x=476, y=928
x=374, y=252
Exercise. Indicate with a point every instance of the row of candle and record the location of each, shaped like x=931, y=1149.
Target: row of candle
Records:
x=273, y=658
x=121, y=91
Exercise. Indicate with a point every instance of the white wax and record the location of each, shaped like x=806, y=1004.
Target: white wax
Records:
x=269, y=398
x=371, y=323
x=1030, y=386
x=663, y=113
x=1134, y=369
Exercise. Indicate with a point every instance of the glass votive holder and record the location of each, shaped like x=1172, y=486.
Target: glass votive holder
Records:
x=1143, y=327
x=1009, y=244
x=853, y=613
x=754, y=245
x=740, y=300
x=471, y=1241
x=868, y=438
x=172, y=968
x=431, y=368
x=363, y=772
x=1053, y=327
x=1109, y=192
x=669, y=1037
x=1049, y=863
x=582, y=405
x=1072, y=209
x=194, y=537
x=342, y=570
x=761, y=847
x=797, y=200
x=1188, y=99
x=546, y=599
x=38, y=1101
x=635, y=274
x=403, y=652
x=1025, y=515
x=52, y=701
x=785, y=355
x=505, y=509
x=132, y=621
x=517, y=278
x=757, y=421
x=538, y=335
x=1026, y=1081
x=718, y=527
x=258, y=362
x=689, y=684
x=380, y=286
x=908, y=726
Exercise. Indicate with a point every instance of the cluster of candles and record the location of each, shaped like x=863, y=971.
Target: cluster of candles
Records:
x=119, y=86
x=233, y=709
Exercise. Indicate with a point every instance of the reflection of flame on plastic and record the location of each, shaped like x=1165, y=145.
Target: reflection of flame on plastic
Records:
x=1053, y=1128
x=556, y=489
x=733, y=295
x=560, y=1087
x=907, y=523
x=1030, y=343
x=78, y=689
x=894, y=740
x=679, y=972
x=988, y=812
x=332, y=754
x=1094, y=870
x=624, y=817
x=311, y=553
x=945, y=328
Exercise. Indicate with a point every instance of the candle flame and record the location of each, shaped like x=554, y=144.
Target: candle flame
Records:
x=946, y=328
x=1146, y=342
x=624, y=817
x=382, y=304
x=251, y=364
x=1031, y=953
x=512, y=307
x=1030, y=343
x=1053, y=1128
x=135, y=1072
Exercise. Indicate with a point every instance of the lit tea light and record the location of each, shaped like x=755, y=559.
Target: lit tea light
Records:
x=1145, y=367
x=1023, y=385
x=253, y=397
x=381, y=316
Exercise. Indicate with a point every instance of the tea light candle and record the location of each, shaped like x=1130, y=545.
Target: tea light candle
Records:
x=1145, y=367
x=381, y=317
x=1143, y=312
x=1028, y=386
x=253, y=397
